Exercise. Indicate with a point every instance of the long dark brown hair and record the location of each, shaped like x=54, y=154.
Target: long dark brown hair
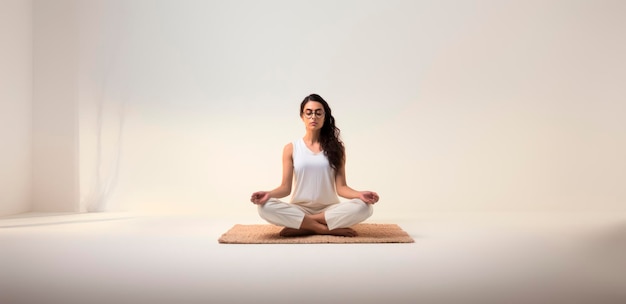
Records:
x=330, y=139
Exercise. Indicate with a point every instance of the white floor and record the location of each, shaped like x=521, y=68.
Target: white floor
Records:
x=461, y=258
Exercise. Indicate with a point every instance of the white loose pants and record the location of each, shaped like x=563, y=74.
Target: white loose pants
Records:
x=341, y=215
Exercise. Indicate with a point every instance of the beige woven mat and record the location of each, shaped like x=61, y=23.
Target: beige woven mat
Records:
x=268, y=234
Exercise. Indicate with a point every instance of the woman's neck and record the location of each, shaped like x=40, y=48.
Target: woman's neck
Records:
x=311, y=137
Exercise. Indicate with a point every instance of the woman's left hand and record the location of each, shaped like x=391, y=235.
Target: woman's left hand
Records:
x=369, y=197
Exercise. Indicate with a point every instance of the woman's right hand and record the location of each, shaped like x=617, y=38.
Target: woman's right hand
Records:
x=260, y=197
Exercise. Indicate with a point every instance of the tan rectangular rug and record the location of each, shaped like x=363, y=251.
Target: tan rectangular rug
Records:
x=268, y=234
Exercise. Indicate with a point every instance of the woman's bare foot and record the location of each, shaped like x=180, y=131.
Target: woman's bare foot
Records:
x=290, y=232
x=349, y=232
x=311, y=225
x=319, y=217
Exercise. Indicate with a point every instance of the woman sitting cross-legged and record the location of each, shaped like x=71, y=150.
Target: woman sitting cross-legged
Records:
x=316, y=163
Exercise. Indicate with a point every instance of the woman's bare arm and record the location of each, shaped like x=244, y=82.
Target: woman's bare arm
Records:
x=261, y=197
x=346, y=191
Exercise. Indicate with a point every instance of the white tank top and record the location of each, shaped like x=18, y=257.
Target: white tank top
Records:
x=314, y=179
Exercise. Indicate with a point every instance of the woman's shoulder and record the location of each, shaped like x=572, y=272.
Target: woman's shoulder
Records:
x=288, y=148
x=294, y=143
x=288, y=151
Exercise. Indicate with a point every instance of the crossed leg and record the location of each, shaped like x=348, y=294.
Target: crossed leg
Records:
x=316, y=224
x=298, y=222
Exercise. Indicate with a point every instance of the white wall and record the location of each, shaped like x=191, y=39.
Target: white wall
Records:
x=55, y=122
x=444, y=105
x=16, y=80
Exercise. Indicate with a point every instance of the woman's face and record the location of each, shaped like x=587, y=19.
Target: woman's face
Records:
x=313, y=115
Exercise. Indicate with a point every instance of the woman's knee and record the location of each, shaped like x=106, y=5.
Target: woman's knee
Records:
x=266, y=209
x=364, y=208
